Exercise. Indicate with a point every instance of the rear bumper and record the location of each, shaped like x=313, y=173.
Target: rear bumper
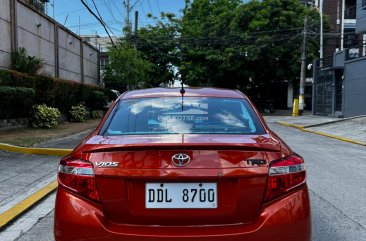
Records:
x=287, y=219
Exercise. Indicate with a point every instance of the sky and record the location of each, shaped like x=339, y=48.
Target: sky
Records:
x=68, y=13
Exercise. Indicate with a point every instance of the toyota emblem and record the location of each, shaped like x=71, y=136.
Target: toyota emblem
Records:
x=180, y=160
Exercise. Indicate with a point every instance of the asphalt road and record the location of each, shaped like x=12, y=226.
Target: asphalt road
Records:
x=336, y=178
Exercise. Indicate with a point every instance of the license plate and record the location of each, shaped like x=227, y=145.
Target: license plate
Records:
x=181, y=195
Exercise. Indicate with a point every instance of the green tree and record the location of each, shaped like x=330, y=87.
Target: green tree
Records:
x=221, y=43
x=208, y=50
x=127, y=69
x=227, y=43
x=158, y=45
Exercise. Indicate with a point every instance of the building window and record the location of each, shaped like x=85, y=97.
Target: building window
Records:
x=103, y=63
x=351, y=39
x=350, y=9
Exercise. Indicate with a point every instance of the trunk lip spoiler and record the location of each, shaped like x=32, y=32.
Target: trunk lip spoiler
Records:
x=95, y=148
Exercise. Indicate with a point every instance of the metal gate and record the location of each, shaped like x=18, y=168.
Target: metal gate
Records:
x=323, y=93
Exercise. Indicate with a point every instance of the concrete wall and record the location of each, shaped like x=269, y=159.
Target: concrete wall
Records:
x=361, y=17
x=355, y=87
x=36, y=34
x=64, y=53
x=90, y=59
x=5, y=33
x=69, y=55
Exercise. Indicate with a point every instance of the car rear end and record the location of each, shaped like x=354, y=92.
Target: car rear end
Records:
x=197, y=181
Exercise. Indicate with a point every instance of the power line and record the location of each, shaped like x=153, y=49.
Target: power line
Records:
x=118, y=9
x=143, y=10
x=109, y=9
x=157, y=3
x=148, y=1
x=101, y=21
x=95, y=6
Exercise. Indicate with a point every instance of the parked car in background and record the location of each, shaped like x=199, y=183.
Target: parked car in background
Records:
x=190, y=164
x=113, y=95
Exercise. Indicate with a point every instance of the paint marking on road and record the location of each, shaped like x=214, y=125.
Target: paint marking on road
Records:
x=33, y=150
x=11, y=214
x=302, y=128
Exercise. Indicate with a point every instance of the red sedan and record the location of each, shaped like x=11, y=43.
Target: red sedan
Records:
x=193, y=164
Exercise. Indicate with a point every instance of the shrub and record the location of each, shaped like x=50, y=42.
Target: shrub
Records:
x=15, y=101
x=79, y=113
x=97, y=100
x=5, y=77
x=46, y=90
x=15, y=79
x=62, y=94
x=97, y=114
x=44, y=116
x=24, y=63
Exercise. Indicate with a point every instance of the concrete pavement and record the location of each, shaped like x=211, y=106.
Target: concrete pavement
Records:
x=336, y=178
x=21, y=175
x=25, y=179
x=351, y=129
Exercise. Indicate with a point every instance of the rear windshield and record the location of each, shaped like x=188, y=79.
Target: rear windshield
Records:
x=188, y=115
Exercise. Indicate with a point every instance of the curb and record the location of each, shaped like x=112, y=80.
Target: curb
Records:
x=336, y=121
x=61, y=138
x=302, y=128
x=291, y=125
x=33, y=150
x=11, y=214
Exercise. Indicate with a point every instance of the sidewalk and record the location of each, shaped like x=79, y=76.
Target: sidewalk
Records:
x=23, y=175
x=352, y=129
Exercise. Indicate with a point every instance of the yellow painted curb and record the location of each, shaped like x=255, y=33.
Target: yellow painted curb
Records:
x=335, y=137
x=290, y=125
x=32, y=150
x=14, y=212
x=302, y=128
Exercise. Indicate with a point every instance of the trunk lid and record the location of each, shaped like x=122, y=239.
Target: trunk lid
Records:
x=230, y=161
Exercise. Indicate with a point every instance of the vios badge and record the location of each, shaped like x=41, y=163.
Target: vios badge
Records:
x=181, y=160
x=106, y=164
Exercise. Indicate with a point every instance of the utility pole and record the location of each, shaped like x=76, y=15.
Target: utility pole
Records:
x=136, y=27
x=53, y=9
x=129, y=8
x=321, y=33
x=342, y=24
x=127, y=17
x=303, y=67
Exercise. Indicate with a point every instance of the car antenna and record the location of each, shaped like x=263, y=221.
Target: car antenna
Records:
x=182, y=92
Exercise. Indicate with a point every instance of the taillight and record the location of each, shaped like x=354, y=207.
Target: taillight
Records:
x=285, y=175
x=78, y=176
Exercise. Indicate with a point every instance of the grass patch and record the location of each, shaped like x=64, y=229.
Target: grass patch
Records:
x=28, y=137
